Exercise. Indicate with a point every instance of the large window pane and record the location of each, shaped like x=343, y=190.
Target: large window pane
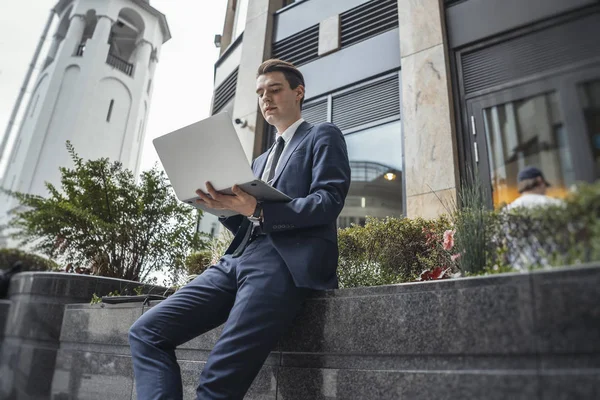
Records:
x=239, y=23
x=589, y=94
x=376, y=163
x=527, y=132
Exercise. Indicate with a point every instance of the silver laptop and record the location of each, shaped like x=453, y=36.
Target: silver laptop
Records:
x=210, y=150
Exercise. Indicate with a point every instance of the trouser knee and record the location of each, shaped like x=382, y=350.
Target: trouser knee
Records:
x=140, y=334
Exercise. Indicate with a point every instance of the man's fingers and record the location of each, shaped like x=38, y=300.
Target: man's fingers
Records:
x=213, y=193
x=202, y=195
x=238, y=192
x=207, y=200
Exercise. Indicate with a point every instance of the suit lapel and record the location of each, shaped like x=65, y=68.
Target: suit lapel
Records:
x=300, y=134
x=260, y=164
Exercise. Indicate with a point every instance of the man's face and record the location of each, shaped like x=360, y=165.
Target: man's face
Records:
x=278, y=102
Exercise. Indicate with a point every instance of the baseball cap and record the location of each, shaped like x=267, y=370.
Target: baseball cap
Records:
x=531, y=173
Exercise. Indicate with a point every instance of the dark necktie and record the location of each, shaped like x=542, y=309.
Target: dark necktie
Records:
x=247, y=227
x=278, y=150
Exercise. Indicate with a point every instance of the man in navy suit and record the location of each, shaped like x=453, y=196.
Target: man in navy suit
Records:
x=280, y=254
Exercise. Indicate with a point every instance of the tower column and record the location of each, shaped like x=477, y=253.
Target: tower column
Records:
x=144, y=49
x=74, y=34
x=97, y=47
x=103, y=28
x=57, y=40
x=76, y=26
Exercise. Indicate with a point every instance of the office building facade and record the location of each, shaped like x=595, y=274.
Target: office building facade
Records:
x=427, y=92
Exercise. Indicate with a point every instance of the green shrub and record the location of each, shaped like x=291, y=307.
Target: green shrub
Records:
x=196, y=263
x=552, y=236
x=31, y=262
x=391, y=250
x=480, y=241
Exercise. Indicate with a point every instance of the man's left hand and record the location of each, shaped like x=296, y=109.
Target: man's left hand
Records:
x=240, y=201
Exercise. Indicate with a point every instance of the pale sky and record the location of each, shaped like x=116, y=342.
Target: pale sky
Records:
x=183, y=81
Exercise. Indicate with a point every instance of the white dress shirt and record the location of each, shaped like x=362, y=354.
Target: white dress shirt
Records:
x=287, y=136
x=532, y=200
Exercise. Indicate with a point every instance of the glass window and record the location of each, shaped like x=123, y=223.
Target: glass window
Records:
x=527, y=132
x=239, y=23
x=376, y=167
x=589, y=95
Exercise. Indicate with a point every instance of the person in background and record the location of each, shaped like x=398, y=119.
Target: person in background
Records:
x=526, y=236
x=533, y=187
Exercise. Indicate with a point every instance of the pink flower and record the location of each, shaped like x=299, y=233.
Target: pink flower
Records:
x=455, y=257
x=449, y=239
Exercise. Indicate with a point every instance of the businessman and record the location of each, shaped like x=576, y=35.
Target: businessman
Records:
x=281, y=253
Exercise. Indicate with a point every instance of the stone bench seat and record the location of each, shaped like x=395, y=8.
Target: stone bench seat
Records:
x=518, y=336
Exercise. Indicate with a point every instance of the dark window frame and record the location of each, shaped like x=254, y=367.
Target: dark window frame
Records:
x=461, y=109
x=565, y=86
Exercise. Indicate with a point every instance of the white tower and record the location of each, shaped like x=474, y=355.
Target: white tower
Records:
x=94, y=90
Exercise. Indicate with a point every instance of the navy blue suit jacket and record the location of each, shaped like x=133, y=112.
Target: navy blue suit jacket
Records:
x=315, y=172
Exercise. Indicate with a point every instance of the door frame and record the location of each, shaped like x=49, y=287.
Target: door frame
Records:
x=564, y=84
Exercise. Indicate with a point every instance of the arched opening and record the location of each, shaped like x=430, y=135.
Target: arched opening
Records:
x=125, y=34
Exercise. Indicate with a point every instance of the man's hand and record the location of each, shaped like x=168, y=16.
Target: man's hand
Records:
x=240, y=201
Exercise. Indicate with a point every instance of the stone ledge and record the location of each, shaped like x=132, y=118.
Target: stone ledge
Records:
x=34, y=325
x=523, y=336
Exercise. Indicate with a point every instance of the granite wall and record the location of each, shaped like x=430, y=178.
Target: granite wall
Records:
x=33, y=326
x=4, y=307
x=517, y=336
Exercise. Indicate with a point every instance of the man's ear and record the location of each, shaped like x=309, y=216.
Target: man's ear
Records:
x=300, y=92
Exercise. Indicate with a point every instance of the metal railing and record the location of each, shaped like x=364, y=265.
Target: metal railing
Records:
x=120, y=64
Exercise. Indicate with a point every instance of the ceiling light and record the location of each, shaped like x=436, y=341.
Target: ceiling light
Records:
x=390, y=176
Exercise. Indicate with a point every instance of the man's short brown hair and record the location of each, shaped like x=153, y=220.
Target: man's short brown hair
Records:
x=527, y=184
x=289, y=70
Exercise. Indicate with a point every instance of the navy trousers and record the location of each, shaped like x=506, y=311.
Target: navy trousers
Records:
x=254, y=295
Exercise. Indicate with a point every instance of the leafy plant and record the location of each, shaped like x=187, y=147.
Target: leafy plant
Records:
x=474, y=240
x=218, y=245
x=103, y=219
x=31, y=262
x=553, y=236
x=96, y=299
x=472, y=220
x=391, y=250
x=196, y=263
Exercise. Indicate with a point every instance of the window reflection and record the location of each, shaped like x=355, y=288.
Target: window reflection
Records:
x=527, y=132
x=239, y=23
x=589, y=95
x=376, y=167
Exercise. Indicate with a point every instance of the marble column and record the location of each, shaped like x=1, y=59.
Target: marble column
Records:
x=256, y=48
x=430, y=151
